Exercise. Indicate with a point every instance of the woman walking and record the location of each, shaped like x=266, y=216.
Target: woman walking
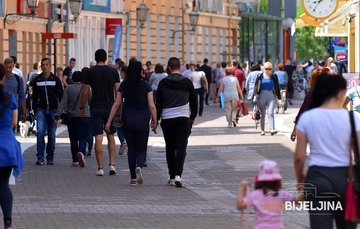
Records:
x=119, y=130
x=196, y=77
x=231, y=87
x=138, y=106
x=10, y=153
x=327, y=176
x=267, y=94
x=156, y=77
x=79, y=127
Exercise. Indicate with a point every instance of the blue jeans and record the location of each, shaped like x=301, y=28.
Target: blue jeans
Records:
x=78, y=131
x=200, y=92
x=45, y=123
x=120, y=134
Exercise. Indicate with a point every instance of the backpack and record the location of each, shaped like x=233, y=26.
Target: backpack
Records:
x=6, y=104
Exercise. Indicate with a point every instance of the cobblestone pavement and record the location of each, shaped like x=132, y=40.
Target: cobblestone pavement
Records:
x=218, y=158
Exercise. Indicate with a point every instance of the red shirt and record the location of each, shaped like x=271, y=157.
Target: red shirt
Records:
x=239, y=75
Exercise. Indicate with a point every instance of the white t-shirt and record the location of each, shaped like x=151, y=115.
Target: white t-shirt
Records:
x=328, y=131
x=196, y=78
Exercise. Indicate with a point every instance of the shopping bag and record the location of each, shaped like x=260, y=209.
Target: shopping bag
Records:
x=222, y=102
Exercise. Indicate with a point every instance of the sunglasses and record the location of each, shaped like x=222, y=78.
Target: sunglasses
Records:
x=268, y=69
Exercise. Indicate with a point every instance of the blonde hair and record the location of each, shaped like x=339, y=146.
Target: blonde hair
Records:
x=268, y=63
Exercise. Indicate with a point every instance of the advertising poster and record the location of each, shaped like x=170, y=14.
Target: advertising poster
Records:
x=117, y=43
x=340, y=53
x=352, y=79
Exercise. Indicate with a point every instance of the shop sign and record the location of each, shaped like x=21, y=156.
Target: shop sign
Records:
x=340, y=53
x=352, y=80
x=111, y=24
x=43, y=10
x=58, y=36
x=97, y=5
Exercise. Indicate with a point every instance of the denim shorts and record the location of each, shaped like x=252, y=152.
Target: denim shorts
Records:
x=99, y=118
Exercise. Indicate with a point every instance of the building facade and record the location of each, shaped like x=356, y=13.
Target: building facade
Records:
x=215, y=36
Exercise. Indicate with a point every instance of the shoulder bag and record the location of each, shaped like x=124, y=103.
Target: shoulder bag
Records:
x=202, y=81
x=66, y=116
x=352, y=206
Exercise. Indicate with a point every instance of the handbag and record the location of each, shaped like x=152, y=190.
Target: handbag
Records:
x=117, y=121
x=256, y=112
x=66, y=116
x=352, y=206
x=244, y=108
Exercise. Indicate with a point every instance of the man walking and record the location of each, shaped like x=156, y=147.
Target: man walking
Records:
x=174, y=95
x=104, y=82
x=15, y=85
x=17, y=71
x=68, y=71
x=208, y=73
x=47, y=91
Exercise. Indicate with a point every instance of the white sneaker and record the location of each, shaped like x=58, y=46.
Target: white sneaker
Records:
x=171, y=182
x=122, y=149
x=139, y=176
x=112, y=170
x=178, y=182
x=100, y=172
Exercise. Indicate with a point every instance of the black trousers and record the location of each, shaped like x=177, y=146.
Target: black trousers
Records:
x=176, y=133
x=324, y=184
x=6, y=197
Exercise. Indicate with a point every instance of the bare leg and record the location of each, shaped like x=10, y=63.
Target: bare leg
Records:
x=111, y=148
x=99, y=150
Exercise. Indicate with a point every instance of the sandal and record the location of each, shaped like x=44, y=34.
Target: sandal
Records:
x=273, y=132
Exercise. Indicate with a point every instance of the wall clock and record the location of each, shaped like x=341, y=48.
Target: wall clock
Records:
x=319, y=9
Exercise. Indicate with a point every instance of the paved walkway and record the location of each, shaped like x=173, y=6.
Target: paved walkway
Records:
x=218, y=158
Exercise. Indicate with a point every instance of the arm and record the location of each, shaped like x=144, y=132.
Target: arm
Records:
x=240, y=91
x=116, y=88
x=64, y=78
x=159, y=100
x=63, y=104
x=154, y=120
x=84, y=96
x=240, y=204
x=60, y=90
x=14, y=118
x=300, y=156
x=35, y=96
x=207, y=85
x=347, y=100
x=114, y=108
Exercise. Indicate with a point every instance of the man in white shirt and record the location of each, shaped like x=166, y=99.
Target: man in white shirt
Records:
x=190, y=71
x=18, y=71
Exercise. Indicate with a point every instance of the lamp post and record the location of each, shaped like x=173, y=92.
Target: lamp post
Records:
x=75, y=10
x=11, y=18
x=142, y=13
x=194, y=17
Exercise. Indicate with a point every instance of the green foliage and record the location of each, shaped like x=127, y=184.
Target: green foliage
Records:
x=307, y=45
x=264, y=6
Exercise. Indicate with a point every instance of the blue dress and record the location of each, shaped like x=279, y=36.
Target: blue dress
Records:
x=10, y=150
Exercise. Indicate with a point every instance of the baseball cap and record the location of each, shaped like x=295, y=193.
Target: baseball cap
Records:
x=268, y=170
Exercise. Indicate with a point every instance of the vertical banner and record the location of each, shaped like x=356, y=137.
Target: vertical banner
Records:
x=117, y=43
x=2, y=8
x=340, y=53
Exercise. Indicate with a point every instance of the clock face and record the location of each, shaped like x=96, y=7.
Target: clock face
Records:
x=319, y=9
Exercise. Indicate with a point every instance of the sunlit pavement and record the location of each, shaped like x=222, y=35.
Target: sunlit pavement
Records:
x=218, y=158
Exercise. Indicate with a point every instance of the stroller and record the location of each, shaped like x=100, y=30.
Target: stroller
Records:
x=29, y=126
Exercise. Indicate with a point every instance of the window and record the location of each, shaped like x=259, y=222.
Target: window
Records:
x=2, y=8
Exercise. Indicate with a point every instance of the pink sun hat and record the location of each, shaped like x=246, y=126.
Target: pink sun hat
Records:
x=268, y=171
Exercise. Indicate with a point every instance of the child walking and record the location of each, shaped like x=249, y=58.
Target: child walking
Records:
x=268, y=198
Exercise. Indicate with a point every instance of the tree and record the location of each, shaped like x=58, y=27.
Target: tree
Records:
x=309, y=46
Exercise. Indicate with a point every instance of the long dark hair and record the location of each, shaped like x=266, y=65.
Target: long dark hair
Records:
x=133, y=80
x=2, y=75
x=327, y=86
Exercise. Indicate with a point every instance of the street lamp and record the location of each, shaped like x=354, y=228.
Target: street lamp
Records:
x=194, y=17
x=142, y=13
x=75, y=9
x=14, y=17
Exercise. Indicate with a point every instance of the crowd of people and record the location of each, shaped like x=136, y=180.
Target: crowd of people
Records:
x=176, y=96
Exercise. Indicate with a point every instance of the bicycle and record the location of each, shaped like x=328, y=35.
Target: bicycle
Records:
x=282, y=103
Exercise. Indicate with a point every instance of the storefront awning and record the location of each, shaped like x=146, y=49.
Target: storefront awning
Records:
x=334, y=30
x=349, y=8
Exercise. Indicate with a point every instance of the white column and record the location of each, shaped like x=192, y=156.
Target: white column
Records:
x=158, y=38
x=148, y=39
x=167, y=38
x=176, y=41
x=196, y=41
x=203, y=45
x=218, y=41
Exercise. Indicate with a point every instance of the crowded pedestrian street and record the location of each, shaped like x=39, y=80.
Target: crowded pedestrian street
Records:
x=218, y=158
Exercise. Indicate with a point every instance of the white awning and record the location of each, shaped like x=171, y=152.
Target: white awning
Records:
x=334, y=30
x=349, y=8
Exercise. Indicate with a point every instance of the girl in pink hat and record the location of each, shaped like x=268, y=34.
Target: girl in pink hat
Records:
x=268, y=198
